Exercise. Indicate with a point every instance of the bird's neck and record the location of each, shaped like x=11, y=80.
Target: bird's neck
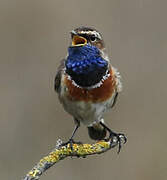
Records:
x=85, y=66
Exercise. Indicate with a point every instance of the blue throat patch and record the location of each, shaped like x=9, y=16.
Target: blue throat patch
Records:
x=85, y=65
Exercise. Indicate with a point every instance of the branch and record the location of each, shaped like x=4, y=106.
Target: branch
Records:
x=62, y=151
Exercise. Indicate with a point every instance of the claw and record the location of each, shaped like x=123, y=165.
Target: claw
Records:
x=71, y=142
x=121, y=138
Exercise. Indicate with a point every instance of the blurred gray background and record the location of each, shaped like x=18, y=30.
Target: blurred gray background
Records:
x=34, y=36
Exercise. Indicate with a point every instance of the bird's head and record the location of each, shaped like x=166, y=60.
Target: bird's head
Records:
x=86, y=36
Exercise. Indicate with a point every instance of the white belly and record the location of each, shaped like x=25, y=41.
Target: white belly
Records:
x=86, y=112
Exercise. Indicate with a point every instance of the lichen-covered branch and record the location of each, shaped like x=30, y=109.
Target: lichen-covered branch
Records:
x=62, y=151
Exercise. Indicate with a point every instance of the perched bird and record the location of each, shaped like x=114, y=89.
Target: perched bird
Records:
x=87, y=84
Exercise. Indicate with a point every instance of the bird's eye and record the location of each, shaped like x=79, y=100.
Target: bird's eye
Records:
x=92, y=38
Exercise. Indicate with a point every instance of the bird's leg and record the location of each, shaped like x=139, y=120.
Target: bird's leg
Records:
x=115, y=100
x=120, y=137
x=71, y=141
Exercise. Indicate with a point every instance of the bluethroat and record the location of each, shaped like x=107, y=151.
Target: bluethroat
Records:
x=87, y=84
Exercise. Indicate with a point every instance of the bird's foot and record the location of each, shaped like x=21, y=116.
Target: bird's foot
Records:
x=121, y=139
x=71, y=142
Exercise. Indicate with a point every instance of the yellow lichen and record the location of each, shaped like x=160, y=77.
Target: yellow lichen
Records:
x=34, y=172
x=64, y=151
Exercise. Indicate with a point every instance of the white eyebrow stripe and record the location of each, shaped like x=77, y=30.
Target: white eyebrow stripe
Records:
x=91, y=33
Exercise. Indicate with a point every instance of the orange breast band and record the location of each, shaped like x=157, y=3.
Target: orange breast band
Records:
x=99, y=94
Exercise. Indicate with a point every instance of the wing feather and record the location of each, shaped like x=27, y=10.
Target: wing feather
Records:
x=57, y=81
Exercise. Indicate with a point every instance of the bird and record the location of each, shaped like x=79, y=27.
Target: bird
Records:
x=87, y=84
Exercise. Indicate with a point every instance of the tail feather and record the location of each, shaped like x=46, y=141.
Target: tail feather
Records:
x=97, y=132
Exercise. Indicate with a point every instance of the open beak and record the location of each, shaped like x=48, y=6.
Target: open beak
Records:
x=78, y=41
